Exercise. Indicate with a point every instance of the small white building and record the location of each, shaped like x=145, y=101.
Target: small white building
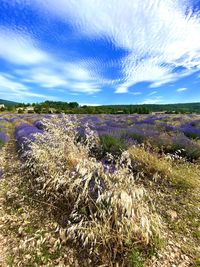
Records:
x=20, y=109
x=159, y=112
x=2, y=106
x=30, y=109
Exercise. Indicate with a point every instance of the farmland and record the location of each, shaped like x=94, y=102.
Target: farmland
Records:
x=100, y=190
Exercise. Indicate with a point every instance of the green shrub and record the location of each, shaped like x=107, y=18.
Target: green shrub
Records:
x=197, y=234
x=111, y=144
x=20, y=111
x=135, y=259
x=197, y=261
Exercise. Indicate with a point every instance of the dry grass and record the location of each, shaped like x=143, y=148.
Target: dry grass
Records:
x=61, y=208
x=168, y=168
x=106, y=211
x=149, y=163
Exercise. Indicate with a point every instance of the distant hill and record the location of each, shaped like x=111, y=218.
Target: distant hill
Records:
x=8, y=103
x=179, y=107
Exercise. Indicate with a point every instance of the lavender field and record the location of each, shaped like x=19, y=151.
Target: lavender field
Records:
x=168, y=133
x=100, y=190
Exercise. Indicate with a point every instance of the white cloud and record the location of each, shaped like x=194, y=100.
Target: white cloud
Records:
x=81, y=78
x=155, y=100
x=153, y=93
x=135, y=93
x=9, y=87
x=45, y=76
x=20, y=49
x=7, y=84
x=84, y=87
x=158, y=34
x=90, y=104
x=33, y=65
x=172, y=77
x=181, y=89
x=75, y=94
x=63, y=75
x=121, y=89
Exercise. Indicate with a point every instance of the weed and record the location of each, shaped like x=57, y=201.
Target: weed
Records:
x=135, y=259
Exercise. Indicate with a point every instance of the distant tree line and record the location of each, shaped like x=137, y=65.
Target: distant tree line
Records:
x=75, y=108
x=49, y=106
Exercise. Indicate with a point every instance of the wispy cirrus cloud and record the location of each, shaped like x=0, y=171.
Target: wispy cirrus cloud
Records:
x=15, y=89
x=19, y=48
x=72, y=49
x=181, y=89
x=160, y=36
x=62, y=75
x=136, y=93
x=153, y=100
x=32, y=65
x=153, y=93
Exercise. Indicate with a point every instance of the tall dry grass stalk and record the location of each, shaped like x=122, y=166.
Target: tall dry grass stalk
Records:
x=107, y=212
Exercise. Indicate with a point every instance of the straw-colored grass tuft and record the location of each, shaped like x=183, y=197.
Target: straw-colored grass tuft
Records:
x=106, y=210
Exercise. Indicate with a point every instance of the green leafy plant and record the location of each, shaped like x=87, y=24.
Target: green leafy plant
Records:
x=111, y=144
x=136, y=259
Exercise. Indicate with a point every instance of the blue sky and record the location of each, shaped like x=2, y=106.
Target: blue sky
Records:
x=100, y=52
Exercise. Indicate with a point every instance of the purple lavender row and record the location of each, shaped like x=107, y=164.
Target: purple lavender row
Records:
x=24, y=133
x=3, y=131
x=170, y=133
x=3, y=139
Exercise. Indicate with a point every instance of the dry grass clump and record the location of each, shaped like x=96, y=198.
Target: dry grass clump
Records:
x=149, y=163
x=2, y=161
x=168, y=168
x=106, y=211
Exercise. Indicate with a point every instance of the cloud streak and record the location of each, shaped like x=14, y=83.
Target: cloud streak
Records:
x=181, y=89
x=35, y=66
x=15, y=89
x=154, y=100
x=112, y=49
x=19, y=48
x=159, y=35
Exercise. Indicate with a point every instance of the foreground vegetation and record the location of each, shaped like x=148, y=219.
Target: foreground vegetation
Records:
x=66, y=202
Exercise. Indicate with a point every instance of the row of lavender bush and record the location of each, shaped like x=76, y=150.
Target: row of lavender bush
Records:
x=24, y=133
x=3, y=131
x=168, y=133
x=4, y=137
